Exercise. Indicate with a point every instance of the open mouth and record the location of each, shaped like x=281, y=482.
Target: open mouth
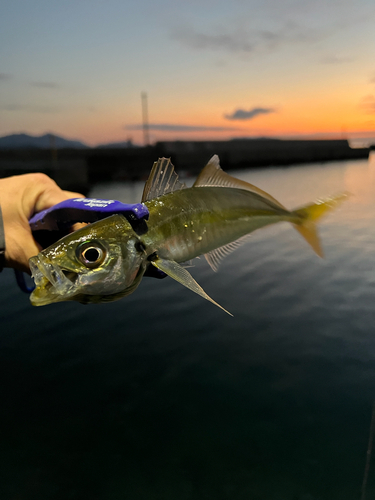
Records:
x=71, y=275
x=51, y=278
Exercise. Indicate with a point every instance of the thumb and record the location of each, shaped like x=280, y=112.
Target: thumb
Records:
x=53, y=195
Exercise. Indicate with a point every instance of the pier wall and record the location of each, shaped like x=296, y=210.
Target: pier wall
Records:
x=78, y=169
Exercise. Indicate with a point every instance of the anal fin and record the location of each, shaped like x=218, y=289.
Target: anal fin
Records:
x=216, y=256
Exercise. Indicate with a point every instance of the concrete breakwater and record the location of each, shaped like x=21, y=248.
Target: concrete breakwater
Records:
x=68, y=167
x=78, y=169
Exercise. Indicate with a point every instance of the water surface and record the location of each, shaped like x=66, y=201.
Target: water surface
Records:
x=163, y=396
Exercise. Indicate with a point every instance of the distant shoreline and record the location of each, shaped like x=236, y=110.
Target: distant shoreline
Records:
x=82, y=168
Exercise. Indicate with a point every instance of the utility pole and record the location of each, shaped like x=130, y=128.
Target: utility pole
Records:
x=52, y=145
x=146, y=135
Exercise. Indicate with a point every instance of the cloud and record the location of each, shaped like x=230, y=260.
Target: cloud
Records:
x=230, y=42
x=13, y=107
x=170, y=127
x=368, y=104
x=243, y=114
x=336, y=60
x=243, y=39
x=5, y=76
x=32, y=109
x=45, y=85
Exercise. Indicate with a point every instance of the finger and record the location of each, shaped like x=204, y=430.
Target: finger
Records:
x=49, y=198
x=41, y=192
x=20, y=247
x=72, y=194
x=50, y=194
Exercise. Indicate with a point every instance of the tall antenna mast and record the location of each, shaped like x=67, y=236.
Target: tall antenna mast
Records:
x=146, y=135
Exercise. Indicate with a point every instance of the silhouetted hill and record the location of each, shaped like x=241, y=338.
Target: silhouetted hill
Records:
x=17, y=141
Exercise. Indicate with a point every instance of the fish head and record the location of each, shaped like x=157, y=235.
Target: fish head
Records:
x=94, y=264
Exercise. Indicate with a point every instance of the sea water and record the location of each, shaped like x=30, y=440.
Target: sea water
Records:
x=161, y=395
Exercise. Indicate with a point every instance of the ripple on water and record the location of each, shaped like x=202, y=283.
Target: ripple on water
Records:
x=165, y=386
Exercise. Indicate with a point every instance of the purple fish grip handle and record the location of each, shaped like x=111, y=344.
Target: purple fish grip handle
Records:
x=68, y=212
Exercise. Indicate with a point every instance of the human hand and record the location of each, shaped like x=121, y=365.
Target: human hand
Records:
x=21, y=196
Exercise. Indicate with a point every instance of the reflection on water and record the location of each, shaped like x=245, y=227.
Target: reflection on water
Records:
x=163, y=396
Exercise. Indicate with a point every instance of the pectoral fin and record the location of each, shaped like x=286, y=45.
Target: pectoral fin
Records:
x=180, y=274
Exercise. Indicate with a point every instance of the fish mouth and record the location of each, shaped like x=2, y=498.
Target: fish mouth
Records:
x=52, y=283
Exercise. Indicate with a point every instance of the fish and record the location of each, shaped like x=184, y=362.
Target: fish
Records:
x=106, y=260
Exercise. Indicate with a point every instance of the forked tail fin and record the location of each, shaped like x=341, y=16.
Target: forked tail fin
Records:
x=312, y=213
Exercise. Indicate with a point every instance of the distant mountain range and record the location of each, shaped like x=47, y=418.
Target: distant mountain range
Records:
x=45, y=141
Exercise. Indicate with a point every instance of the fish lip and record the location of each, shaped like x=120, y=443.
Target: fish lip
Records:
x=46, y=274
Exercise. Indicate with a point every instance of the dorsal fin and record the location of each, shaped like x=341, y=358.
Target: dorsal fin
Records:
x=213, y=175
x=162, y=180
x=216, y=256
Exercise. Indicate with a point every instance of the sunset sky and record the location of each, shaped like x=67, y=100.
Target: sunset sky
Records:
x=212, y=69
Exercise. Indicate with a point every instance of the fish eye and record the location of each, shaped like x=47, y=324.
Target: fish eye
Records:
x=91, y=254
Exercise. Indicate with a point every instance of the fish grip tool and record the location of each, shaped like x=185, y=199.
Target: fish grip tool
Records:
x=62, y=216
x=51, y=224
